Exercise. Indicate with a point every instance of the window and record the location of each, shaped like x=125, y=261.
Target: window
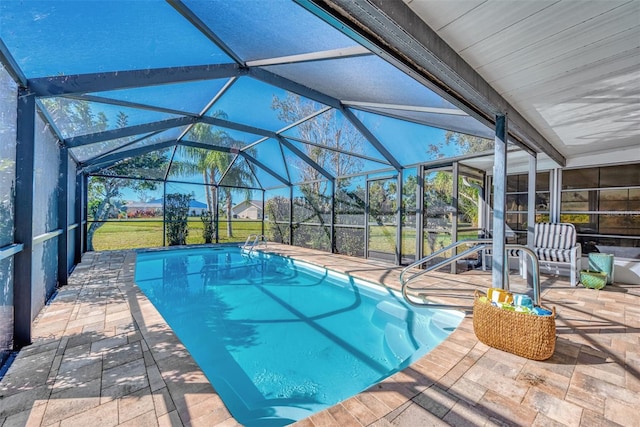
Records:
x=518, y=203
x=604, y=205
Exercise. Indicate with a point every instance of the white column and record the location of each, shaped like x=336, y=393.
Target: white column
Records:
x=499, y=269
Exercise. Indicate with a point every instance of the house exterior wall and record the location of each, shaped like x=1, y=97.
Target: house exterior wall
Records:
x=246, y=210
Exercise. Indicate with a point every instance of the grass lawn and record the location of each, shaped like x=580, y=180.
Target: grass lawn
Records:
x=137, y=233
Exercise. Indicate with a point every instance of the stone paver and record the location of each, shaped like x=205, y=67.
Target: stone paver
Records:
x=103, y=356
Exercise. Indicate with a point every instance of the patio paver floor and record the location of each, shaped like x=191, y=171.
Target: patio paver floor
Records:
x=103, y=356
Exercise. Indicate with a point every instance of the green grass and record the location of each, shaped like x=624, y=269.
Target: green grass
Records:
x=134, y=233
x=137, y=233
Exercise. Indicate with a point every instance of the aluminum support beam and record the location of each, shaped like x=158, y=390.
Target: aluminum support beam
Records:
x=420, y=214
x=451, y=125
x=110, y=159
x=112, y=134
x=100, y=82
x=79, y=207
x=164, y=213
x=332, y=229
x=263, y=209
x=23, y=224
x=399, y=217
x=498, y=266
x=455, y=172
x=216, y=214
x=106, y=161
x=63, y=216
x=204, y=29
x=44, y=113
x=130, y=104
x=236, y=126
x=394, y=32
x=267, y=169
x=367, y=211
x=371, y=138
x=338, y=150
x=281, y=82
x=85, y=211
x=11, y=65
x=290, y=215
x=305, y=158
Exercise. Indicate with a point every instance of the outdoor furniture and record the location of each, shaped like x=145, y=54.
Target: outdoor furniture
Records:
x=511, y=253
x=556, y=245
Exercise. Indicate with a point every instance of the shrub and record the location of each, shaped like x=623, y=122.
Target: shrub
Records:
x=176, y=214
x=208, y=226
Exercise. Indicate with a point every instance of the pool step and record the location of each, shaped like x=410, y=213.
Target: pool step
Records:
x=389, y=312
x=405, y=332
x=398, y=343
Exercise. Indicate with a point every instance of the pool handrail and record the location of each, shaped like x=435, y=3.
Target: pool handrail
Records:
x=479, y=244
x=258, y=239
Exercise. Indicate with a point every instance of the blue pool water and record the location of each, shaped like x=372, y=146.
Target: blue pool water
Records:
x=281, y=339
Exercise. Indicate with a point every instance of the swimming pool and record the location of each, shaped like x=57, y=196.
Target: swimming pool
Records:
x=280, y=339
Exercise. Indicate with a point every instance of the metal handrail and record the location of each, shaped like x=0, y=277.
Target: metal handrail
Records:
x=257, y=240
x=479, y=244
x=249, y=237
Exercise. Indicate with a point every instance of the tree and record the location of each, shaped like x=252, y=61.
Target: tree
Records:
x=461, y=144
x=326, y=130
x=442, y=183
x=276, y=209
x=75, y=117
x=212, y=162
x=105, y=191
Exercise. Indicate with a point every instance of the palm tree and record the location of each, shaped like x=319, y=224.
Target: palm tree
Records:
x=212, y=162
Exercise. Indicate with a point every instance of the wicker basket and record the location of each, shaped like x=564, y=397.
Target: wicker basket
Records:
x=523, y=334
x=593, y=279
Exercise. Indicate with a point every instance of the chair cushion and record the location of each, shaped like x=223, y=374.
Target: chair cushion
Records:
x=557, y=255
x=554, y=236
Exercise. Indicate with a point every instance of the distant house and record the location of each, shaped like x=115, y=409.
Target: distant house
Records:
x=154, y=208
x=136, y=209
x=249, y=209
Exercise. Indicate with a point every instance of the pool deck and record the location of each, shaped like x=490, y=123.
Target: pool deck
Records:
x=103, y=356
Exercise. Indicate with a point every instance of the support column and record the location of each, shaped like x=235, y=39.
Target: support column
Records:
x=531, y=216
x=291, y=214
x=79, y=206
x=366, y=219
x=264, y=208
x=333, y=216
x=420, y=214
x=216, y=214
x=63, y=216
x=455, y=171
x=399, y=219
x=25, y=155
x=85, y=209
x=555, y=192
x=499, y=203
x=164, y=214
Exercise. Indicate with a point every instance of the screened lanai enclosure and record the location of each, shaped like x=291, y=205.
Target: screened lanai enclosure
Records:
x=149, y=123
x=145, y=124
